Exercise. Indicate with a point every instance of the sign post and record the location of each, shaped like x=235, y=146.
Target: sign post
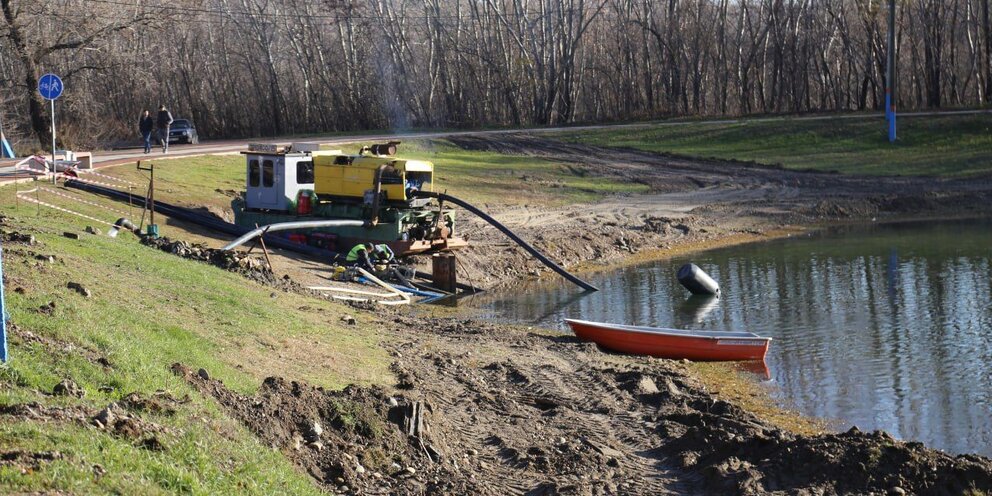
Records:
x=3, y=315
x=50, y=86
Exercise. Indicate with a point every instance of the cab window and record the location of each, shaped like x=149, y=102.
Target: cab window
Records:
x=268, y=174
x=304, y=172
x=253, y=173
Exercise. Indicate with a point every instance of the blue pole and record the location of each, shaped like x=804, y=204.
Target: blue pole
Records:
x=890, y=74
x=3, y=315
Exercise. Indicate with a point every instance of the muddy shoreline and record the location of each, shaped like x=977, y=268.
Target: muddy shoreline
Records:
x=692, y=205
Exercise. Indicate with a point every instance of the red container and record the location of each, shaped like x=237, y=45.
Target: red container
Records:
x=303, y=206
x=298, y=238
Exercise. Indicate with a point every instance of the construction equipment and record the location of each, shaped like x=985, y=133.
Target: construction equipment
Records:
x=304, y=181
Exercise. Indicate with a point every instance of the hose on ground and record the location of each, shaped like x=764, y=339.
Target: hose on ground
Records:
x=523, y=244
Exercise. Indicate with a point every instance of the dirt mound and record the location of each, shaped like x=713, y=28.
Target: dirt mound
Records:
x=359, y=439
x=228, y=260
x=117, y=419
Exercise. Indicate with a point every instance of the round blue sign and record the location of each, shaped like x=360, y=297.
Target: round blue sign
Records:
x=50, y=86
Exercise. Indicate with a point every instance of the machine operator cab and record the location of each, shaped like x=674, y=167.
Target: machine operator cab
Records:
x=277, y=177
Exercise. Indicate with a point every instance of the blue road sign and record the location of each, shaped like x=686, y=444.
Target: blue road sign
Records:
x=50, y=86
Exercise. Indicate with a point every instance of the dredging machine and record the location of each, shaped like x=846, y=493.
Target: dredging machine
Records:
x=306, y=181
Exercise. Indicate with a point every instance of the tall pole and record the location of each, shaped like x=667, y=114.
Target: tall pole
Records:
x=890, y=76
x=55, y=169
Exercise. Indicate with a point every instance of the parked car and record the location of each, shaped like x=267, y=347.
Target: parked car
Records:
x=183, y=131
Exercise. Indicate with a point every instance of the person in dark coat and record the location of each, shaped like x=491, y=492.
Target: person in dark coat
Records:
x=163, y=121
x=146, y=124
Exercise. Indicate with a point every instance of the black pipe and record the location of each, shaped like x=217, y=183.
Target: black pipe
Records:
x=207, y=221
x=523, y=244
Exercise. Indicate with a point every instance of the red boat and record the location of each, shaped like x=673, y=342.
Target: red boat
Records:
x=704, y=346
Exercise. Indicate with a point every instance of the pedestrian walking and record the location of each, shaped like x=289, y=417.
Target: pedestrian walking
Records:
x=146, y=124
x=163, y=121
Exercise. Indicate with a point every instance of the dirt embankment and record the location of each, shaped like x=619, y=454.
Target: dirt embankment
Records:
x=489, y=409
x=690, y=202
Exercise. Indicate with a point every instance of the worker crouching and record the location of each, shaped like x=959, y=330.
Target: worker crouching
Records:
x=370, y=256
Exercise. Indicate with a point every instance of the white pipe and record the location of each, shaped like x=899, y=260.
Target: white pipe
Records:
x=394, y=291
x=346, y=290
x=286, y=226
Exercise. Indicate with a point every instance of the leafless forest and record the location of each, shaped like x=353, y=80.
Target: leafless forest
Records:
x=272, y=67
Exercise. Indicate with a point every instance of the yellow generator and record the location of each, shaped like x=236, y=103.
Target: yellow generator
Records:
x=288, y=184
x=356, y=177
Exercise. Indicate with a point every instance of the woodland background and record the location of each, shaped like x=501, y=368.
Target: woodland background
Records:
x=243, y=68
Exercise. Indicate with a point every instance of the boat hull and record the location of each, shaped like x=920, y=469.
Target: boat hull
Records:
x=658, y=343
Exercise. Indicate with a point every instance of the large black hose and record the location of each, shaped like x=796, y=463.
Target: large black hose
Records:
x=207, y=221
x=523, y=244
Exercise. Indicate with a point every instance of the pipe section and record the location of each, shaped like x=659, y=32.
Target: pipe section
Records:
x=289, y=226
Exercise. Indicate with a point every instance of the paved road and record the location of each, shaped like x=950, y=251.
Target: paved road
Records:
x=118, y=157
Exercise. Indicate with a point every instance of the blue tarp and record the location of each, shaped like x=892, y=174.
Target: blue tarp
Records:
x=5, y=150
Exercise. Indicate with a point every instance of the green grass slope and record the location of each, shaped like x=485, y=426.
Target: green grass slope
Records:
x=952, y=146
x=149, y=309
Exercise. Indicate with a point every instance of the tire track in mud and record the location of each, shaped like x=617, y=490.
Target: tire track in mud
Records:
x=535, y=420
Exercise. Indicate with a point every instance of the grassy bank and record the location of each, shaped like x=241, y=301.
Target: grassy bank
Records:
x=149, y=309
x=475, y=176
x=950, y=146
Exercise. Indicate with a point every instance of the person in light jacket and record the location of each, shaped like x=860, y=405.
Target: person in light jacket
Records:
x=163, y=121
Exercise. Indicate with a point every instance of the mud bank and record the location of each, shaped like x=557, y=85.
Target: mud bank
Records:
x=480, y=408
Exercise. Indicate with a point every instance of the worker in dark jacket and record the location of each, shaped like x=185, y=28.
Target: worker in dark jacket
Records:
x=146, y=125
x=366, y=255
x=163, y=121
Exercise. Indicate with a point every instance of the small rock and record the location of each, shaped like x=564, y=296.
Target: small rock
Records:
x=93, y=230
x=203, y=374
x=99, y=471
x=315, y=430
x=348, y=319
x=45, y=258
x=70, y=235
x=297, y=442
x=343, y=489
x=897, y=491
x=473, y=452
x=75, y=286
x=359, y=469
x=339, y=480
x=68, y=388
x=395, y=466
x=410, y=470
x=392, y=401
x=317, y=445
x=646, y=386
x=106, y=416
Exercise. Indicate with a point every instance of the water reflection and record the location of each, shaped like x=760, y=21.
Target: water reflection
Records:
x=883, y=327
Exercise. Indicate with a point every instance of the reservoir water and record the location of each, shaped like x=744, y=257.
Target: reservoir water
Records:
x=881, y=326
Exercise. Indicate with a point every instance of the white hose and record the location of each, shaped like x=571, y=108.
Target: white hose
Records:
x=287, y=226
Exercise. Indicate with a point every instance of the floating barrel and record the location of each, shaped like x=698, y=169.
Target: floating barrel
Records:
x=696, y=281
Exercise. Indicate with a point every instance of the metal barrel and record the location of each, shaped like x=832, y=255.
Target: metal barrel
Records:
x=696, y=281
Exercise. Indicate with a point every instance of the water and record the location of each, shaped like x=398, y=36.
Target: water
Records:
x=883, y=327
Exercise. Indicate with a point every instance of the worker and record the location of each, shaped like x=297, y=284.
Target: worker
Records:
x=366, y=255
